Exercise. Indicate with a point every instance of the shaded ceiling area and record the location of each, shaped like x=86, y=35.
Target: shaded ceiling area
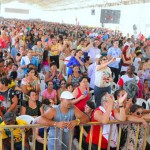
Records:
x=57, y=5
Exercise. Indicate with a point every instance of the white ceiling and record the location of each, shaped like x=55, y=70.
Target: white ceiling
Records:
x=55, y=5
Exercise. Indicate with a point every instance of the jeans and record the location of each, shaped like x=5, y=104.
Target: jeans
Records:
x=98, y=92
x=116, y=72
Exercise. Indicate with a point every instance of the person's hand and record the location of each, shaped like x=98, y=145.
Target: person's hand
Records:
x=113, y=59
x=129, y=103
x=122, y=98
x=35, y=78
x=82, y=97
x=71, y=124
x=110, y=99
x=61, y=124
x=145, y=124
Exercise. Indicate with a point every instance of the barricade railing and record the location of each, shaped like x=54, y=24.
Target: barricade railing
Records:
x=60, y=137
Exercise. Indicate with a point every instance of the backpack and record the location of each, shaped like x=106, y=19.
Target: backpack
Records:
x=131, y=87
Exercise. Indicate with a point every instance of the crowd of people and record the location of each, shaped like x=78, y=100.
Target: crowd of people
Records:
x=62, y=75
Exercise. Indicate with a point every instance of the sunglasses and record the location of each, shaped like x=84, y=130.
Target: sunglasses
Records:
x=63, y=83
x=104, y=59
x=139, y=113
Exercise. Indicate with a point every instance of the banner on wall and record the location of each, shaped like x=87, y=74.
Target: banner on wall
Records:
x=110, y=16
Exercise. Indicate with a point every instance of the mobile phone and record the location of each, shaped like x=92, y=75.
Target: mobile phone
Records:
x=86, y=92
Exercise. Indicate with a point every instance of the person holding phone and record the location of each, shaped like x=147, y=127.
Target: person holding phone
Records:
x=81, y=94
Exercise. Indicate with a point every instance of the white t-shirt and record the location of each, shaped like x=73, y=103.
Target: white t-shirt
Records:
x=136, y=64
x=101, y=76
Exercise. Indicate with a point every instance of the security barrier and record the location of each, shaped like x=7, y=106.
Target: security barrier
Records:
x=119, y=125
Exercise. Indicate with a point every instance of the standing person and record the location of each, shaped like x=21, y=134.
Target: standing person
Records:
x=114, y=51
x=103, y=79
x=38, y=53
x=65, y=116
x=54, y=51
x=127, y=59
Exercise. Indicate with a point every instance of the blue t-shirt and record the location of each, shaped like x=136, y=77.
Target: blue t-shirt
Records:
x=14, y=52
x=32, y=61
x=73, y=61
x=114, y=52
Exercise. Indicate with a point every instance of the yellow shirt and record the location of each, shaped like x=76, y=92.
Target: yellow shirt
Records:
x=17, y=132
x=55, y=50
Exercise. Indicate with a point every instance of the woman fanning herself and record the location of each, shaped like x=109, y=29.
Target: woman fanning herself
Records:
x=103, y=78
x=81, y=94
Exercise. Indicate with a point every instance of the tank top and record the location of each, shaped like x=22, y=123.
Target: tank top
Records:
x=126, y=59
x=81, y=104
x=75, y=80
x=55, y=139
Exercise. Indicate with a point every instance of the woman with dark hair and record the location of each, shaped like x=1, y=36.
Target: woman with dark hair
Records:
x=126, y=58
x=75, y=60
x=75, y=77
x=46, y=62
x=50, y=93
x=81, y=94
x=32, y=107
x=103, y=78
x=54, y=75
x=30, y=82
x=62, y=88
x=137, y=117
x=8, y=98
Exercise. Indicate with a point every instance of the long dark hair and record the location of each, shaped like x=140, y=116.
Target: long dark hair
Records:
x=45, y=55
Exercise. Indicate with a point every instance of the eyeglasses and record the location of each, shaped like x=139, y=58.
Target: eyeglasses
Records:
x=50, y=84
x=139, y=113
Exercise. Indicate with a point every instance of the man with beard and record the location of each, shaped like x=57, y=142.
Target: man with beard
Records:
x=62, y=120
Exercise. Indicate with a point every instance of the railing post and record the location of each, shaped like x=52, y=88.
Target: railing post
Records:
x=34, y=138
x=45, y=138
x=100, y=138
x=119, y=136
x=109, y=139
x=70, y=141
x=23, y=139
x=144, y=140
x=12, y=139
x=137, y=135
x=81, y=137
x=1, y=144
x=90, y=141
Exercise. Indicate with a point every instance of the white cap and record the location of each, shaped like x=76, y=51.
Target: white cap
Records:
x=67, y=95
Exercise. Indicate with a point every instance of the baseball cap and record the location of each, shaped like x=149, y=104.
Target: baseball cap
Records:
x=98, y=56
x=9, y=116
x=67, y=95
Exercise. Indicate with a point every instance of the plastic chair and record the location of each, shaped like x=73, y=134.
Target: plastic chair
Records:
x=142, y=102
x=28, y=119
x=148, y=103
x=114, y=87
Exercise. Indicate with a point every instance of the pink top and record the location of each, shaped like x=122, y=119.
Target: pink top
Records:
x=45, y=63
x=48, y=95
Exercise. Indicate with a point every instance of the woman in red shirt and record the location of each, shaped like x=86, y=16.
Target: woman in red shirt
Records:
x=81, y=94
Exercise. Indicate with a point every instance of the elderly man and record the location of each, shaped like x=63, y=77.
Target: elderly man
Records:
x=62, y=120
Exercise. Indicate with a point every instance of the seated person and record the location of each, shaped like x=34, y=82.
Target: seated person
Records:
x=103, y=114
x=10, y=119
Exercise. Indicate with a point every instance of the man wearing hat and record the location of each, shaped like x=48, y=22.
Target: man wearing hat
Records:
x=62, y=120
x=10, y=119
